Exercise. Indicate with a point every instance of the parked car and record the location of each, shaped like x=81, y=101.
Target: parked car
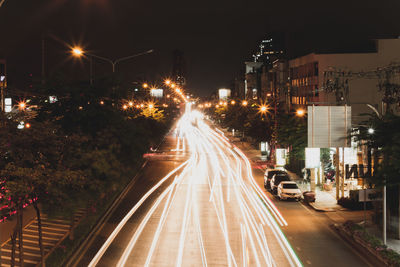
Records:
x=277, y=179
x=289, y=190
x=268, y=176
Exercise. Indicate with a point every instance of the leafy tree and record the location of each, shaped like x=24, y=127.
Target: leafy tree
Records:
x=385, y=142
x=292, y=133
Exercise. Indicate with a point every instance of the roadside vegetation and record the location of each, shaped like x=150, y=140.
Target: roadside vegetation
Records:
x=76, y=153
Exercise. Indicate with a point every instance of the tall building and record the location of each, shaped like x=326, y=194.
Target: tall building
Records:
x=261, y=73
x=179, y=68
x=270, y=49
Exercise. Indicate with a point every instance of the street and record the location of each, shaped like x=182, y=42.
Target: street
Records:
x=210, y=210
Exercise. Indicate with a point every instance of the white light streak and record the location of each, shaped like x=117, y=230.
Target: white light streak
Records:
x=217, y=178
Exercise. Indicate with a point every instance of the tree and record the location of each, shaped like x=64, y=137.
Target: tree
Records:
x=292, y=133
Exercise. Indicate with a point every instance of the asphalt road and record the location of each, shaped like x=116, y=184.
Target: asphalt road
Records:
x=209, y=210
x=311, y=236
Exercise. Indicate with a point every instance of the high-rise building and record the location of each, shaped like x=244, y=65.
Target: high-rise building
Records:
x=179, y=68
x=270, y=49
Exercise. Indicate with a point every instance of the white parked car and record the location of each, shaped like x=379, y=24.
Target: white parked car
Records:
x=289, y=190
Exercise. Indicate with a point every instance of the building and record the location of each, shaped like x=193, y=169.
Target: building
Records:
x=270, y=49
x=252, y=82
x=258, y=75
x=343, y=78
x=179, y=68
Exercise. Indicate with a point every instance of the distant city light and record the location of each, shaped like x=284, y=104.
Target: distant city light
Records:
x=371, y=130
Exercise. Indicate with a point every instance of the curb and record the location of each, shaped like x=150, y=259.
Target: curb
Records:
x=312, y=205
x=374, y=260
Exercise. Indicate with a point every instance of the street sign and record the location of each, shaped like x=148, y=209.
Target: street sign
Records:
x=329, y=126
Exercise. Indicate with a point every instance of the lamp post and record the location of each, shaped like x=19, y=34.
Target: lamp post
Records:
x=78, y=52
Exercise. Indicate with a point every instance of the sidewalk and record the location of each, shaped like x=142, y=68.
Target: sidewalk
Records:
x=325, y=200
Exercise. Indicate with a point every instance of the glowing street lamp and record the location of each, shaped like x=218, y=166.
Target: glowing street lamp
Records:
x=130, y=103
x=151, y=105
x=173, y=85
x=300, y=112
x=263, y=109
x=167, y=82
x=233, y=102
x=244, y=103
x=22, y=105
x=145, y=85
x=77, y=51
x=124, y=107
x=371, y=130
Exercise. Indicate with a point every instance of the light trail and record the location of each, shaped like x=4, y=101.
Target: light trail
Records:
x=214, y=211
x=109, y=240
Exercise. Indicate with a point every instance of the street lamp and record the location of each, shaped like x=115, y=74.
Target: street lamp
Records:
x=300, y=112
x=22, y=105
x=77, y=51
x=244, y=103
x=371, y=130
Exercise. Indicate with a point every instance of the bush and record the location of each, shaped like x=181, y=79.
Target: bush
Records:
x=391, y=256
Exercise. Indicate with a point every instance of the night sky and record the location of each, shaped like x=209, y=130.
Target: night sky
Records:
x=215, y=36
